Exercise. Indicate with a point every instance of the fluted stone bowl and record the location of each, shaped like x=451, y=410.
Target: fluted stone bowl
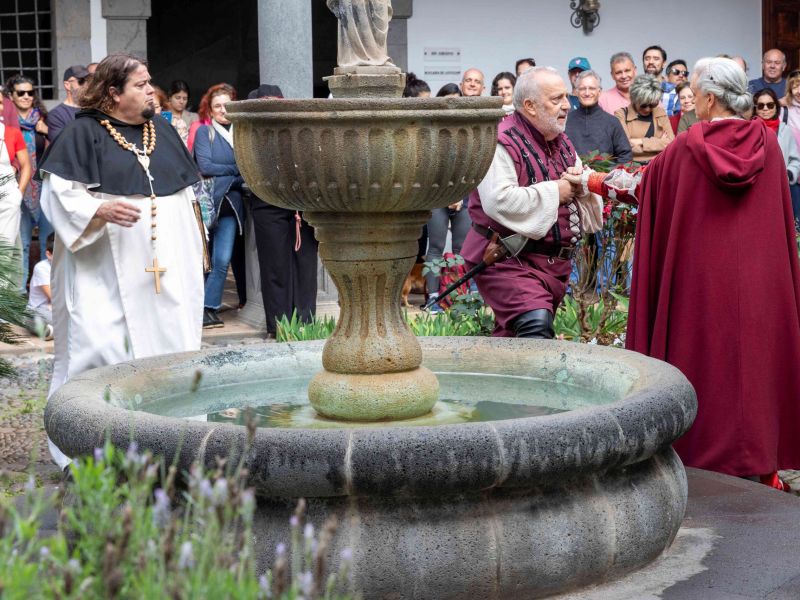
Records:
x=365, y=155
x=508, y=508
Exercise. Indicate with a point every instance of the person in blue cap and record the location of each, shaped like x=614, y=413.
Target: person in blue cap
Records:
x=577, y=65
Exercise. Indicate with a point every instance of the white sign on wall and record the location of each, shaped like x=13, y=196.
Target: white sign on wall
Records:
x=442, y=64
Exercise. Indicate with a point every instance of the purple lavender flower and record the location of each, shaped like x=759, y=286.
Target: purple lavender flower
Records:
x=347, y=555
x=280, y=549
x=205, y=488
x=219, y=495
x=294, y=521
x=132, y=455
x=263, y=584
x=306, y=582
x=186, y=556
x=308, y=532
x=98, y=455
x=161, y=508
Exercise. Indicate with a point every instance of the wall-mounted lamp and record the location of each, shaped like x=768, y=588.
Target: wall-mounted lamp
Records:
x=585, y=13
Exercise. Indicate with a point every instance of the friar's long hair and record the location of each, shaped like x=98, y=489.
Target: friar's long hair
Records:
x=112, y=72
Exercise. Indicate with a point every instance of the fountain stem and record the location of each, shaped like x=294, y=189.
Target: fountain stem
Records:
x=372, y=360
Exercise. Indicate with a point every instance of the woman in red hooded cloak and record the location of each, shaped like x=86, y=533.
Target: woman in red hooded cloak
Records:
x=716, y=281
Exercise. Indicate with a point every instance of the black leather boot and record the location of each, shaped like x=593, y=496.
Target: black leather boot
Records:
x=535, y=324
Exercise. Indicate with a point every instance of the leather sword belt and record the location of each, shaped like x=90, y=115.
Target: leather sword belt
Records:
x=534, y=246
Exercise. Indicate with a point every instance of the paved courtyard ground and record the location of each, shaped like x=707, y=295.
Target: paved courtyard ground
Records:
x=23, y=443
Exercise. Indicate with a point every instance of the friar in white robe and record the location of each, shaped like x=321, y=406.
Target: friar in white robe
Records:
x=119, y=294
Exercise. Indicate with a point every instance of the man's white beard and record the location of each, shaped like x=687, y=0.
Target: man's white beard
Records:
x=550, y=126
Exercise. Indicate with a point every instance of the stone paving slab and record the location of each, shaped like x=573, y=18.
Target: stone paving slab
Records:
x=737, y=542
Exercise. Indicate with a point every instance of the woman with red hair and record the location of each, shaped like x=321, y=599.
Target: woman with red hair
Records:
x=204, y=110
x=213, y=151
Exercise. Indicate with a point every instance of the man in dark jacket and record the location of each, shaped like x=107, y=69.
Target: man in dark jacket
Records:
x=591, y=128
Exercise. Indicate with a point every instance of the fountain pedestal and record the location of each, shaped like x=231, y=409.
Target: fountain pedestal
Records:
x=372, y=360
x=366, y=172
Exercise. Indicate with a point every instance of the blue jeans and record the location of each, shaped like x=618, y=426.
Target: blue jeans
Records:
x=27, y=222
x=222, y=237
x=794, y=190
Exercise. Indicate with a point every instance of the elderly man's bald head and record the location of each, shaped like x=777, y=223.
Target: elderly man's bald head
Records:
x=472, y=84
x=773, y=65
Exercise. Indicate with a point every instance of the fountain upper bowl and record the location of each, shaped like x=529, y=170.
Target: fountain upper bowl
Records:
x=364, y=154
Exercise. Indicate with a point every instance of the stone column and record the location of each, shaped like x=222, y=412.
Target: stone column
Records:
x=398, y=32
x=126, y=25
x=71, y=38
x=284, y=46
x=285, y=59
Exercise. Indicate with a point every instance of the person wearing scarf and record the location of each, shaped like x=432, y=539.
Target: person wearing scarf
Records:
x=31, y=116
x=767, y=108
x=213, y=150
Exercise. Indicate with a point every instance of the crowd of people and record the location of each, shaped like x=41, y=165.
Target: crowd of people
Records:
x=285, y=242
x=124, y=190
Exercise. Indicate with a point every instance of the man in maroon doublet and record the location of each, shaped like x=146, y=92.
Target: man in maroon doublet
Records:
x=536, y=186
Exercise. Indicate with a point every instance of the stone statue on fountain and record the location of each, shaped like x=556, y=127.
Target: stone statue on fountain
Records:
x=365, y=68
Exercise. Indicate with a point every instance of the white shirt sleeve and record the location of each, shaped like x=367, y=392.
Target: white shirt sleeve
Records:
x=70, y=208
x=531, y=210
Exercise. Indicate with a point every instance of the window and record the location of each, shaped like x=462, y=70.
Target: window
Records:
x=26, y=43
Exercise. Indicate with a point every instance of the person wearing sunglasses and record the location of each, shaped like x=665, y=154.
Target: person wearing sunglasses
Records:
x=645, y=121
x=676, y=74
x=64, y=113
x=31, y=116
x=768, y=109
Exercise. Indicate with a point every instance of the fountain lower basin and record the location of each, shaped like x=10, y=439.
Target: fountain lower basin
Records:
x=507, y=508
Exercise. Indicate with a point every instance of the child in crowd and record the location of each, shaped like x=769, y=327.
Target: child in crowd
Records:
x=39, y=298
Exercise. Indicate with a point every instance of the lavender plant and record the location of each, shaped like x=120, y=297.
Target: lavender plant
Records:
x=127, y=530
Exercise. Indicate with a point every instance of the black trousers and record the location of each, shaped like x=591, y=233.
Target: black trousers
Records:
x=288, y=278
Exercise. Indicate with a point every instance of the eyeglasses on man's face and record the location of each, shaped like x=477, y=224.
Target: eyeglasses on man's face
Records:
x=765, y=106
x=22, y=93
x=681, y=72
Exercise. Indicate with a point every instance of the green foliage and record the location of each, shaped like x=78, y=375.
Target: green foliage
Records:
x=605, y=163
x=604, y=322
x=436, y=266
x=297, y=330
x=128, y=531
x=467, y=316
x=13, y=305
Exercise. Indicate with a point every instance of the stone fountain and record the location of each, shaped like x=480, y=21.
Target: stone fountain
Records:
x=492, y=468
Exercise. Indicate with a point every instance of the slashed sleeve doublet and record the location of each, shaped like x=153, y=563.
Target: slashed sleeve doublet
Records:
x=531, y=210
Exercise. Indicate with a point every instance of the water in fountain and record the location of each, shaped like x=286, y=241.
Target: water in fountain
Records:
x=464, y=398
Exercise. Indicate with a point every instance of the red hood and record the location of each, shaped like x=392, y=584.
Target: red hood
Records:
x=731, y=152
